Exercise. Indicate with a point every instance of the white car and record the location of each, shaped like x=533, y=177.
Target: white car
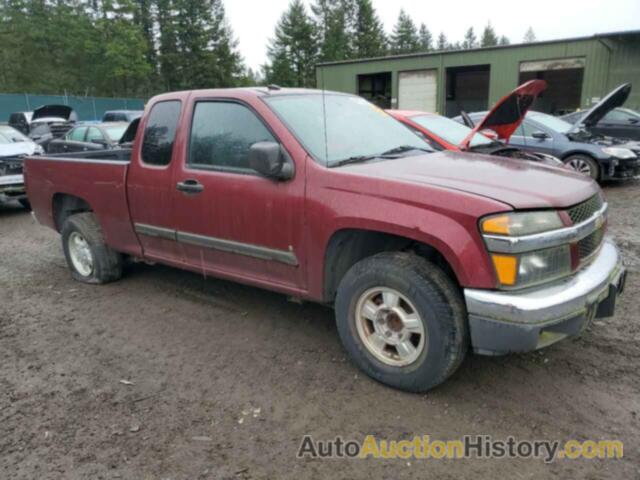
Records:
x=14, y=146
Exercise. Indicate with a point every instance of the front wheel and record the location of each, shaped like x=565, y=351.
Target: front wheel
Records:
x=88, y=256
x=583, y=164
x=402, y=320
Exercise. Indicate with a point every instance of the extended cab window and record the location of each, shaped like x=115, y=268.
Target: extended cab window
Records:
x=160, y=133
x=221, y=135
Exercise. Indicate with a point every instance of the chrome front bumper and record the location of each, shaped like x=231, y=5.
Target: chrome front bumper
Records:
x=501, y=322
x=12, y=185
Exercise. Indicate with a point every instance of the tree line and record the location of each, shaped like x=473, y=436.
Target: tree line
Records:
x=141, y=47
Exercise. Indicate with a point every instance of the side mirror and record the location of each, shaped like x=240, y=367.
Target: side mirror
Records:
x=540, y=135
x=271, y=160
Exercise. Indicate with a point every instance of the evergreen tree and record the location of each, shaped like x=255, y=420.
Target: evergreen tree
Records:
x=503, y=40
x=529, y=36
x=293, y=50
x=442, y=44
x=405, y=38
x=335, y=20
x=489, y=37
x=470, y=40
x=426, y=39
x=370, y=39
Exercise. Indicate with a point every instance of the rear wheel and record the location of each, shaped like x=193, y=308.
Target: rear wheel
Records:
x=89, y=258
x=402, y=320
x=583, y=164
x=25, y=203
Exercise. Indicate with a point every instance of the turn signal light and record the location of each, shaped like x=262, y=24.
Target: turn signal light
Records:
x=506, y=268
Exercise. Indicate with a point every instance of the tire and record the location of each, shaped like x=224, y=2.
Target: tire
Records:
x=93, y=261
x=25, y=203
x=583, y=164
x=424, y=289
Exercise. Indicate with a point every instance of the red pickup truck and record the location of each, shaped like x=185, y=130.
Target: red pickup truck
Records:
x=325, y=197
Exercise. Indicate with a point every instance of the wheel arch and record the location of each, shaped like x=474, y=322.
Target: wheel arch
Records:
x=63, y=205
x=347, y=246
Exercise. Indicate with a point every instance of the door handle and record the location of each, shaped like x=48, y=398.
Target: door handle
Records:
x=190, y=186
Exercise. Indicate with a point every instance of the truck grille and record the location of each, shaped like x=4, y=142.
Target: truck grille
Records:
x=584, y=210
x=590, y=244
x=11, y=166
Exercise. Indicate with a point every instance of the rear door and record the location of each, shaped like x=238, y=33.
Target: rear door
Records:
x=150, y=184
x=229, y=219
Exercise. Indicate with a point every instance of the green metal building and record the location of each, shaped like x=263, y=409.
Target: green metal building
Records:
x=579, y=72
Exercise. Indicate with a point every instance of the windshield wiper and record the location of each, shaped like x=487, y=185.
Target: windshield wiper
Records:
x=391, y=153
x=403, y=149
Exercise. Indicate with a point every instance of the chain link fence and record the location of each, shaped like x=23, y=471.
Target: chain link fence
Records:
x=87, y=108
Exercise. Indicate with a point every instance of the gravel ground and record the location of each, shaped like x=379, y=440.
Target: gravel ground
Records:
x=165, y=375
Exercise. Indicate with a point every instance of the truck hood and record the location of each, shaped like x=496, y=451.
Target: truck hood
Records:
x=521, y=185
x=507, y=115
x=614, y=99
x=62, y=112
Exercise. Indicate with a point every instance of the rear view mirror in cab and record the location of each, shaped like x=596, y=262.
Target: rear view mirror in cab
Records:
x=271, y=160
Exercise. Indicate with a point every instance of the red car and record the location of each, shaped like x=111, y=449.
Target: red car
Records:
x=490, y=136
x=324, y=197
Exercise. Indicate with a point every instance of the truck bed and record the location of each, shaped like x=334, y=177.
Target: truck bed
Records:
x=97, y=178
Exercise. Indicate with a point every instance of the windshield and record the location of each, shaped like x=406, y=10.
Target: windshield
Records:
x=450, y=130
x=115, y=132
x=554, y=123
x=354, y=127
x=11, y=135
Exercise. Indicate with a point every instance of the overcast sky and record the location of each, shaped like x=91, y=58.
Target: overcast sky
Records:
x=253, y=21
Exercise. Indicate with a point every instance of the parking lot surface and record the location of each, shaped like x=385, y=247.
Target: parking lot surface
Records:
x=168, y=375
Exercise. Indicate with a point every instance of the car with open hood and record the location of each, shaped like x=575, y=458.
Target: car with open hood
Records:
x=324, y=197
x=601, y=157
x=51, y=121
x=608, y=118
x=489, y=136
x=14, y=147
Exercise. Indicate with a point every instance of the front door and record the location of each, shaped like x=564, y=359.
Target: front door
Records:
x=529, y=137
x=230, y=220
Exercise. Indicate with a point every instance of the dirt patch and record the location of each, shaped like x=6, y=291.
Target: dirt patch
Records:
x=165, y=375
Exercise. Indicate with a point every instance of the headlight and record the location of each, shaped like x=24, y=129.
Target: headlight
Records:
x=528, y=268
x=521, y=223
x=532, y=268
x=618, y=152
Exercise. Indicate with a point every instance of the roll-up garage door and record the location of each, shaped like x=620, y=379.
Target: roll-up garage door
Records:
x=417, y=90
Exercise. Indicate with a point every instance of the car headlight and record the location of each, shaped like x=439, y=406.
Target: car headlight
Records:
x=521, y=223
x=528, y=268
x=618, y=152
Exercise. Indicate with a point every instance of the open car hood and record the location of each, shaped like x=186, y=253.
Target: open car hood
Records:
x=614, y=99
x=59, y=111
x=507, y=115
